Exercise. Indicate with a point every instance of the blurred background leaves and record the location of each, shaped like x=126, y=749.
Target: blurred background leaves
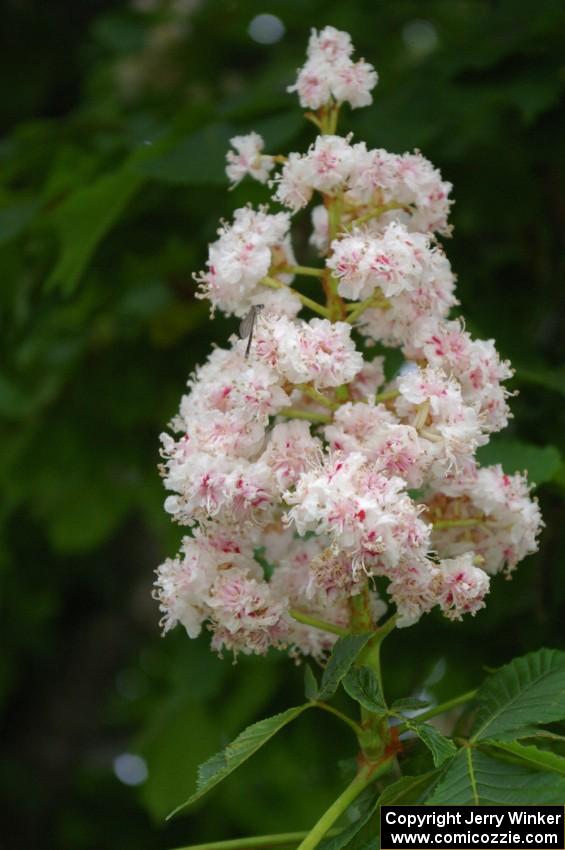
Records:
x=115, y=122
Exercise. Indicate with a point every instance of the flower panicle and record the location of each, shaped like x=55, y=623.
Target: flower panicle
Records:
x=300, y=472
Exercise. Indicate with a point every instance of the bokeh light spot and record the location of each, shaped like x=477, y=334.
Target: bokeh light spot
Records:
x=420, y=37
x=266, y=29
x=130, y=769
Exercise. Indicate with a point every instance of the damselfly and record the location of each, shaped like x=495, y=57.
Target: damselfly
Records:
x=248, y=325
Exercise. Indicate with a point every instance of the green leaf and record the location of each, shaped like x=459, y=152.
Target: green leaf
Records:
x=529, y=690
x=213, y=771
x=475, y=778
x=551, y=379
x=441, y=748
x=360, y=813
x=542, y=759
x=343, y=656
x=181, y=730
x=361, y=684
x=82, y=221
x=15, y=217
x=544, y=734
x=279, y=130
x=310, y=683
x=198, y=160
x=540, y=462
x=409, y=704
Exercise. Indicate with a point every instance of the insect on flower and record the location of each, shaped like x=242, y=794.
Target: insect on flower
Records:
x=247, y=325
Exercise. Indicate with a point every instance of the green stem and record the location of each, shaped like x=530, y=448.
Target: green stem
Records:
x=328, y=116
x=310, y=116
x=441, y=708
x=279, y=840
x=334, y=119
x=469, y=522
x=310, y=415
x=358, y=309
x=387, y=396
x=335, y=305
x=366, y=775
x=316, y=623
x=350, y=722
x=342, y=393
x=334, y=218
x=309, y=271
x=374, y=725
x=377, y=211
x=273, y=283
x=371, y=654
x=371, y=302
x=359, y=608
x=314, y=394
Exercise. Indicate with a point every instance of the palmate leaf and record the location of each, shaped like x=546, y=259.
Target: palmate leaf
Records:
x=529, y=690
x=475, y=778
x=541, y=759
x=361, y=684
x=343, y=656
x=211, y=772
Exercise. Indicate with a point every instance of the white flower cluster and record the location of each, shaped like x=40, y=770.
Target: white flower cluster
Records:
x=240, y=259
x=404, y=187
x=330, y=73
x=310, y=485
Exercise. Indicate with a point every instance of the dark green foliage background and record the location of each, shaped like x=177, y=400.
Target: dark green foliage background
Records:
x=107, y=202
